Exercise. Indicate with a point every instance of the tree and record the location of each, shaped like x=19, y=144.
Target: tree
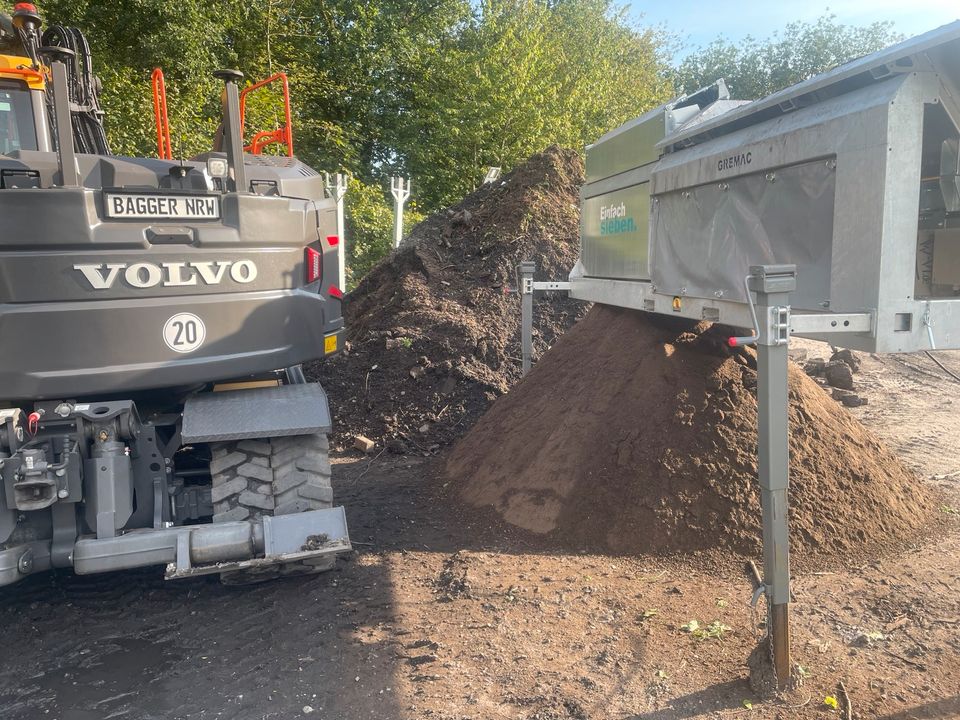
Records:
x=755, y=68
x=515, y=77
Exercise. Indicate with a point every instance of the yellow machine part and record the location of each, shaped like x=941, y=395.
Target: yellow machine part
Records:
x=19, y=68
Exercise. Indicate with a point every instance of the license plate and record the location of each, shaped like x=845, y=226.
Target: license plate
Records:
x=136, y=206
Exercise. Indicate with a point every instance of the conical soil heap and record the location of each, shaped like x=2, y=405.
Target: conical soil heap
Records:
x=637, y=434
x=433, y=335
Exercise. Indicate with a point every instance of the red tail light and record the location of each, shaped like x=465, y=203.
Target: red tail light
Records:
x=335, y=291
x=314, y=263
x=333, y=240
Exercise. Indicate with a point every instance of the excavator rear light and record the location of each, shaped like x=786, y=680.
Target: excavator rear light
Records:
x=314, y=263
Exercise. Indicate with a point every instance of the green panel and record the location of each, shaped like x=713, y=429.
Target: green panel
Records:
x=627, y=147
x=614, y=231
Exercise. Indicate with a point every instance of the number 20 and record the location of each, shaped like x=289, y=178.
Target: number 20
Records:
x=186, y=332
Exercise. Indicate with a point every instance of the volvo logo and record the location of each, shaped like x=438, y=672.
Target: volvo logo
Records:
x=143, y=275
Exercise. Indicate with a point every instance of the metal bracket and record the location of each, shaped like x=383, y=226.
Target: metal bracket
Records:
x=551, y=285
x=823, y=323
x=777, y=330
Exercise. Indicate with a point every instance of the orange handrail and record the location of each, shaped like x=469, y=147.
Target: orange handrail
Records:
x=159, y=85
x=36, y=76
x=282, y=135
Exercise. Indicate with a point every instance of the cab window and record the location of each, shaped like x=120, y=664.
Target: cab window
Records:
x=17, y=130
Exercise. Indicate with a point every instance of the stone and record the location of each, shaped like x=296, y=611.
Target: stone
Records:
x=849, y=357
x=839, y=375
x=363, y=444
x=853, y=401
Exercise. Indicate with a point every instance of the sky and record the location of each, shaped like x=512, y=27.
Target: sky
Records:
x=698, y=22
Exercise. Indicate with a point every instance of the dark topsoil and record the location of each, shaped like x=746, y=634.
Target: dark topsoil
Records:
x=637, y=435
x=433, y=336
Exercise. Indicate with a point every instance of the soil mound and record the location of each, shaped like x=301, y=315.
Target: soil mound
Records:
x=433, y=335
x=637, y=434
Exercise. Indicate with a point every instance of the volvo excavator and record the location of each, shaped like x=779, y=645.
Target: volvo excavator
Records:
x=154, y=316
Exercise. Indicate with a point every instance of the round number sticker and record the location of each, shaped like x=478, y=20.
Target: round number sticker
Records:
x=184, y=332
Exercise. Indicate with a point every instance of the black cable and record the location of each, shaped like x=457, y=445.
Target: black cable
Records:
x=89, y=135
x=942, y=366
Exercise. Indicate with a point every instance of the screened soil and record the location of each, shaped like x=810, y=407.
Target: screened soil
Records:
x=638, y=435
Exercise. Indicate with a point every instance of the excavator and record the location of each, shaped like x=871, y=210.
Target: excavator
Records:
x=154, y=317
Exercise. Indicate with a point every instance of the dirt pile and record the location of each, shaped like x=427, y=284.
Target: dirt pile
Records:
x=433, y=336
x=637, y=434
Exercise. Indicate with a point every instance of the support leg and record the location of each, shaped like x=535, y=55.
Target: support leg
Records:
x=526, y=313
x=772, y=285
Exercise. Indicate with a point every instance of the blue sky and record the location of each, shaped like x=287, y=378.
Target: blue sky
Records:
x=697, y=23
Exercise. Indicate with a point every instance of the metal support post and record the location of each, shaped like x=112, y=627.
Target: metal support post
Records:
x=336, y=185
x=773, y=285
x=232, y=130
x=526, y=312
x=400, y=189
x=66, y=153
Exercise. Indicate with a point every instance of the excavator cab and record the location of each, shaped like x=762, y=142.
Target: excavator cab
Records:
x=17, y=128
x=23, y=124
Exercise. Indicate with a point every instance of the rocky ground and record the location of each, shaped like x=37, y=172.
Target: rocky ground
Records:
x=445, y=612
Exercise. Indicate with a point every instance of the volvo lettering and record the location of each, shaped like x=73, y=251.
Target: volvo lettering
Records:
x=172, y=274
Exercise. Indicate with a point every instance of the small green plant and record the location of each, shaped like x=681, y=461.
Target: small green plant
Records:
x=406, y=342
x=714, y=631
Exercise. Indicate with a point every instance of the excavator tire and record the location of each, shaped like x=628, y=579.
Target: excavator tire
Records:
x=271, y=476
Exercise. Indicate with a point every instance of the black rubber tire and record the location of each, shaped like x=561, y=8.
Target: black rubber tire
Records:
x=271, y=476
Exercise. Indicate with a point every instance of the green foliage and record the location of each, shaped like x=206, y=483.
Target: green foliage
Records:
x=755, y=68
x=369, y=211
x=515, y=77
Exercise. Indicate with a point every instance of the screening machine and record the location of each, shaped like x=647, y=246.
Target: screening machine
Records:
x=830, y=209
x=853, y=176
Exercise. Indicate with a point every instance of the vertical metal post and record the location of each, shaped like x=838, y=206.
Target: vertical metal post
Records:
x=527, y=269
x=232, y=127
x=773, y=284
x=66, y=153
x=337, y=187
x=400, y=189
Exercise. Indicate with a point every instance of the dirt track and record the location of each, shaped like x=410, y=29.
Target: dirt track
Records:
x=444, y=613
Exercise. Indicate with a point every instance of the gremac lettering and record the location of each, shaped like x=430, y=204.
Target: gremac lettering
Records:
x=734, y=162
